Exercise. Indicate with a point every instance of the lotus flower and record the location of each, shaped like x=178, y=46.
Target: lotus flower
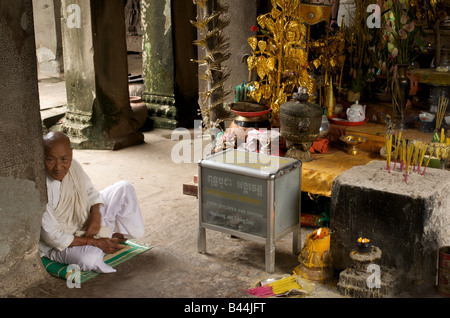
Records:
x=402, y=34
x=391, y=47
x=410, y=26
x=394, y=52
x=404, y=18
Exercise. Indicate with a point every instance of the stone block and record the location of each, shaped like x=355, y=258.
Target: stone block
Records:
x=353, y=282
x=408, y=221
x=190, y=188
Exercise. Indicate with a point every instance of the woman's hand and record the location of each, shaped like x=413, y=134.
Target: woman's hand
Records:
x=107, y=245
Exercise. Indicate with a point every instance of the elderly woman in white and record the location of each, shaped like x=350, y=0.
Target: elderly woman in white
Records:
x=80, y=224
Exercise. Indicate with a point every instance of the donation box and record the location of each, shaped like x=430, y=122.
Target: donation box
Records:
x=251, y=196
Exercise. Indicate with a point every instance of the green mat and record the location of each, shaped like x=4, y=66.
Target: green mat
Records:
x=130, y=250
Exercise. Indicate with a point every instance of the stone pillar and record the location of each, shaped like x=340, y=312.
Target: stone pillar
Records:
x=47, y=22
x=22, y=181
x=98, y=115
x=242, y=15
x=158, y=62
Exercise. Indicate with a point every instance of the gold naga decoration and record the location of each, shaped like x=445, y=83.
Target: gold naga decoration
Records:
x=280, y=56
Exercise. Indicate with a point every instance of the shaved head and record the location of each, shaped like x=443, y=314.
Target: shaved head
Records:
x=58, y=154
x=53, y=138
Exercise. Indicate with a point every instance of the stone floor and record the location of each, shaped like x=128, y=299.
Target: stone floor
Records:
x=172, y=268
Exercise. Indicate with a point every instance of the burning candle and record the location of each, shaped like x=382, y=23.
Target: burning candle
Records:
x=315, y=258
x=320, y=233
x=317, y=244
x=364, y=245
x=363, y=240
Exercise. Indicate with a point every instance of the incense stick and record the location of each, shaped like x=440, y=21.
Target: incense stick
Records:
x=442, y=107
x=428, y=161
x=389, y=152
x=422, y=151
x=409, y=152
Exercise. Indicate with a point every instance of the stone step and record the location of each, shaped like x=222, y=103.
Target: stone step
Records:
x=51, y=116
x=354, y=283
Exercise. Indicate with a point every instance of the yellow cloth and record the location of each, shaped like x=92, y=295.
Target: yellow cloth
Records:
x=318, y=175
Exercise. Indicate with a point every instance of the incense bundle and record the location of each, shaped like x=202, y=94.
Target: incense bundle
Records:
x=261, y=291
x=412, y=153
x=442, y=107
x=278, y=287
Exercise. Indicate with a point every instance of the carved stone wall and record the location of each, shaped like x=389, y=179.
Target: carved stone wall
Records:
x=22, y=182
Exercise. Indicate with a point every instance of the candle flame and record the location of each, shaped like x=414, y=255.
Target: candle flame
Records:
x=363, y=240
x=320, y=233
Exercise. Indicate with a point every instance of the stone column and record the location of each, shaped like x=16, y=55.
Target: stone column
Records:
x=22, y=181
x=242, y=15
x=99, y=115
x=158, y=62
x=47, y=22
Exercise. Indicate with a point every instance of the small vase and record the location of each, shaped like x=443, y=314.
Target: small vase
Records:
x=404, y=86
x=139, y=109
x=324, y=127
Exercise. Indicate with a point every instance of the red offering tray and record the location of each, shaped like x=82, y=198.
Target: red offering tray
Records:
x=345, y=122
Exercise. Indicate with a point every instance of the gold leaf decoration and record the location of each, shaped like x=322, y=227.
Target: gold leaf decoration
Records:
x=253, y=41
x=261, y=67
x=271, y=63
x=251, y=62
x=262, y=46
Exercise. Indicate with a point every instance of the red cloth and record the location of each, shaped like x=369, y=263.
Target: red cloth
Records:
x=320, y=145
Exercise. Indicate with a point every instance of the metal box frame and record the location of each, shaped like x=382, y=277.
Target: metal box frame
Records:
x=282, y=183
